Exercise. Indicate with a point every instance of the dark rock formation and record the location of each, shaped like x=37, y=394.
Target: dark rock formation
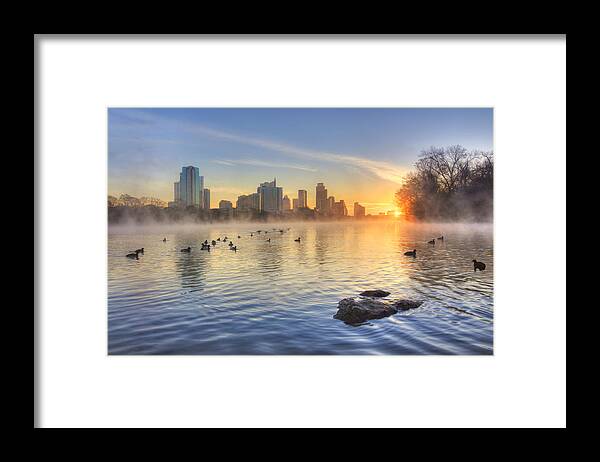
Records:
x=354, y=311
x=404, y=305
x=374, y=293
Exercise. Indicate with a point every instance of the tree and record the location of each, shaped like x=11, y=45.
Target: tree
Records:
x=449, y=184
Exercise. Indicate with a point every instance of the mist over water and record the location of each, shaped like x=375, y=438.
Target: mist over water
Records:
x=279, y=297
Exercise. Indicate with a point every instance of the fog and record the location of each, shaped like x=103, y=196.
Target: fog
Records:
x=245, y=226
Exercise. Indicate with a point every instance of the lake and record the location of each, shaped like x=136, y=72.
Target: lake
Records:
x=279, y=297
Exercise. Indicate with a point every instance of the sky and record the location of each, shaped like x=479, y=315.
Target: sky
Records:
x=360, y=154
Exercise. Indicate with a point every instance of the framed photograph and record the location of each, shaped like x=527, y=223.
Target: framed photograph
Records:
x=245, y=231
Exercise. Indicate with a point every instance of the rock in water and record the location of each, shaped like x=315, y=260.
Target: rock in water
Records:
x=354, y=311
x=404, y=305
x=374, y=293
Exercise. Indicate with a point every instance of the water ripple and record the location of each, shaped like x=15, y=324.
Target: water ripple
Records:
x=279, y=297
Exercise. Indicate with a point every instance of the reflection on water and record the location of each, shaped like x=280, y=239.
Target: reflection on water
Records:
x=279, y=297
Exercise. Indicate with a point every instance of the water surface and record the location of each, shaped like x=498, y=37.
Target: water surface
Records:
x=279, y=297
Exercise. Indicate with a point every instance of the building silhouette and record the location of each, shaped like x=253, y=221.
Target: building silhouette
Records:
x=302, y=198
x=359, y=210
x=339, y=209
x=223, y=204
x=206, y=199
x=191, y=185
x=248, y=202
x=330, y=203
x=176, y=193
x=321, y=198
x=286, y=203
x=271, y=196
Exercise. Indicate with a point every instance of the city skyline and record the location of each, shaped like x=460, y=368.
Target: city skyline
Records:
x=360, y=154
x=190, y=191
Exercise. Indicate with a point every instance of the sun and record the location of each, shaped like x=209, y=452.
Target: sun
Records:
x=397, y=213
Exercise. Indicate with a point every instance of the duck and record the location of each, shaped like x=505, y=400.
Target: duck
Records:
x=219, y=239
x=139, y=250
x=478, y=265
x=133, y=255
x=251, y=234
x=412, y=253
x=230, y=243
x=213, y=242
x=297, y=240
x=234, y=248
x=269, y=240
x=441, y=238
x=259, y=231
x=281, y=231
x=205, y=247
x=187, y=249
x=205, y=242
x=431, y=242
x=239, y=237
x=165, y=239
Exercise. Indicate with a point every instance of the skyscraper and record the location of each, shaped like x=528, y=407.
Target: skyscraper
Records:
x=271, y=196
x=201, y=193
x=330, y=203
x=359, y=210
x=302, y=198
x=176, y=194
x=321, y=198
x=295, y=204
x=190, y=186
x=285, y=203
x=206, y=198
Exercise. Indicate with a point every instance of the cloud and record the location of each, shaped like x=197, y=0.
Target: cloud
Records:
x=262, y=163
x=224, y=162
x=381, y=169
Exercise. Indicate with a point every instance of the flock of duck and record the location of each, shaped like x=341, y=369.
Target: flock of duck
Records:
x=477, y=265
x=207, y=246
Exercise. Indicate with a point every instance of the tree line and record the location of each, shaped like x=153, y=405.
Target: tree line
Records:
x=449, y=184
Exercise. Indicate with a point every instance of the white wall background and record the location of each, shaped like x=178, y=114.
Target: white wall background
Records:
x=523, y=384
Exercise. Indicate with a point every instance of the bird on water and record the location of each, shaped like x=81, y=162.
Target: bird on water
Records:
x=478, y=265
x=187, y=249
x=412, y=253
